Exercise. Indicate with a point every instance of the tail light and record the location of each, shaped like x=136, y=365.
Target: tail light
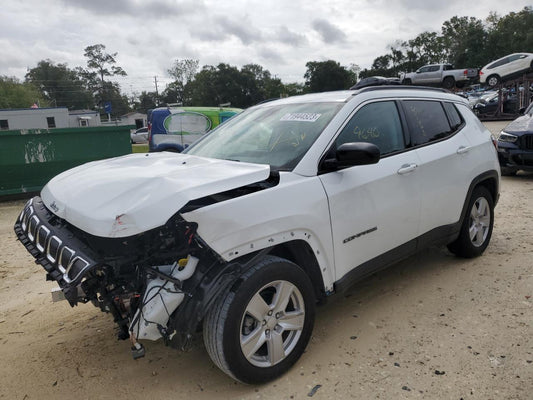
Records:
x=494, y=141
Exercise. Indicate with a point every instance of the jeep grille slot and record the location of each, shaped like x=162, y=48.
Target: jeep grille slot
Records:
x=63, y=263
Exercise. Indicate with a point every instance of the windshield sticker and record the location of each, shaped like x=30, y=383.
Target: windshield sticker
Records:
x=301, y=117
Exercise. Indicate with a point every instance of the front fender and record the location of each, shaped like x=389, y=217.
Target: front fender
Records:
x=295, y=209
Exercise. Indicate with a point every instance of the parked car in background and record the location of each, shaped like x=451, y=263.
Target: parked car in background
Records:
x=174, y=128
x=263, y=218
x=515, y=144
x=479, y=97
x=375, y=81
x=489, y=104
x=139, y=136
x=505, y=68
x=439, y=74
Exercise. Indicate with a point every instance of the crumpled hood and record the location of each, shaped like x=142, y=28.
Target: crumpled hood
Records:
x=521, y=125
x=128, y=195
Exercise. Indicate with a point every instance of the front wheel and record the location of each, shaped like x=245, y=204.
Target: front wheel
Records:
x=259, y=329
x=476, y=229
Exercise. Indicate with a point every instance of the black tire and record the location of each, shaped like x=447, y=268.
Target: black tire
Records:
x=448, y=82
x=407, y=82
x=493, y=80
x=229, y=322
x=478, y=221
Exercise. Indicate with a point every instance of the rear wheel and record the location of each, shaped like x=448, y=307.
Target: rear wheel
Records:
x=493, y=80
x=476, y=228
x=259, y=329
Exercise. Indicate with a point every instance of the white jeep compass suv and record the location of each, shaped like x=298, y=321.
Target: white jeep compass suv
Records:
x=285, y=204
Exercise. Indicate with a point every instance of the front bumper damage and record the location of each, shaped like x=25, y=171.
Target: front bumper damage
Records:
x=158, y=284
x=65, y=258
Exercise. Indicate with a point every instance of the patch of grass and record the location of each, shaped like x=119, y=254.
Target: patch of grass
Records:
x=139, y=148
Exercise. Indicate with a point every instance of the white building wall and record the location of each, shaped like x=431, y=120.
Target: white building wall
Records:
x=35, y=118
x=83, y=118
x=131, y=118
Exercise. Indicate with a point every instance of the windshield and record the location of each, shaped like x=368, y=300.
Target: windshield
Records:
x=277, y=135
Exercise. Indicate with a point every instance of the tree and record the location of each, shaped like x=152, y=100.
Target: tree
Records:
x=356, y=69
x=259, y=85
x=327, y=75
x=100, y=61
x=512, y=33
x=99, y=65
x=147, y=101
x=183, y=72
x=224, y=83
x=464, y=40
x=119, y=102
x=14, y=94
x=293, y=89
x=60, y=86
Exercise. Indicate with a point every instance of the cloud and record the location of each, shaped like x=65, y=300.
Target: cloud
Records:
x=285, y=35
x=270, y=55
x=241, y=29
x=153, y=9
x=329, y=32
x=425, y=5
x=208, y=33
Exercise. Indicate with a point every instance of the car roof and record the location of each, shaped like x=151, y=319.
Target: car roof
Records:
x=343, y=96
x=507, y=55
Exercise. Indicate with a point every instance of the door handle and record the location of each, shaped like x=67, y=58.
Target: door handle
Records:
x=463, y=149
x=406, y=168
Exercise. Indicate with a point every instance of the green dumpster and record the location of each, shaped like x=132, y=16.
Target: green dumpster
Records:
x=30, y=158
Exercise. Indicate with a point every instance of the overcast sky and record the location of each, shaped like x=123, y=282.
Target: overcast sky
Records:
x=280, y=35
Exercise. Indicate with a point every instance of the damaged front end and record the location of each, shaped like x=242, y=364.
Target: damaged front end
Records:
x=141, y=280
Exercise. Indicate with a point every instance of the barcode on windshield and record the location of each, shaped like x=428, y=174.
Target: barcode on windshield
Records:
x=302, y=117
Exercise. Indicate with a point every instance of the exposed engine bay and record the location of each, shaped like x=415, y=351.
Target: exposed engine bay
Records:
x=141, y=280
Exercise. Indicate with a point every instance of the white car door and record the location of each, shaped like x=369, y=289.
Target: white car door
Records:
x=443, y=151
x=517, y=63
x=374, y=208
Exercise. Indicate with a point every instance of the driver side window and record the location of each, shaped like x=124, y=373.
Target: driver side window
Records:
x=377, y=123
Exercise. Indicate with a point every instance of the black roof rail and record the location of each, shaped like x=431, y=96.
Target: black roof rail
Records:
x=404, y=87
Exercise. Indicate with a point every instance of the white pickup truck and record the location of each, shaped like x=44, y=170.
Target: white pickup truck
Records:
x=439, y=74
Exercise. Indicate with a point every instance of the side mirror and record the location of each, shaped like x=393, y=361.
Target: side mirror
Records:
x=352, y=154
x=522, y=110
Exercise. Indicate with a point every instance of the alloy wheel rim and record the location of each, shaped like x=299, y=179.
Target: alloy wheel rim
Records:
x=479, y=222
x=272, y=323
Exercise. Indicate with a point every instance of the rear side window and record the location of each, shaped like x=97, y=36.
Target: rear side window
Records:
x=453, y=115
x=498, y=63
x=427, y=121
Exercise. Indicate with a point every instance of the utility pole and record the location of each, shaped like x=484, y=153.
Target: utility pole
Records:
x=156, y=92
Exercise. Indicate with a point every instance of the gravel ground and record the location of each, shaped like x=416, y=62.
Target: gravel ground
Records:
x=431, y=327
